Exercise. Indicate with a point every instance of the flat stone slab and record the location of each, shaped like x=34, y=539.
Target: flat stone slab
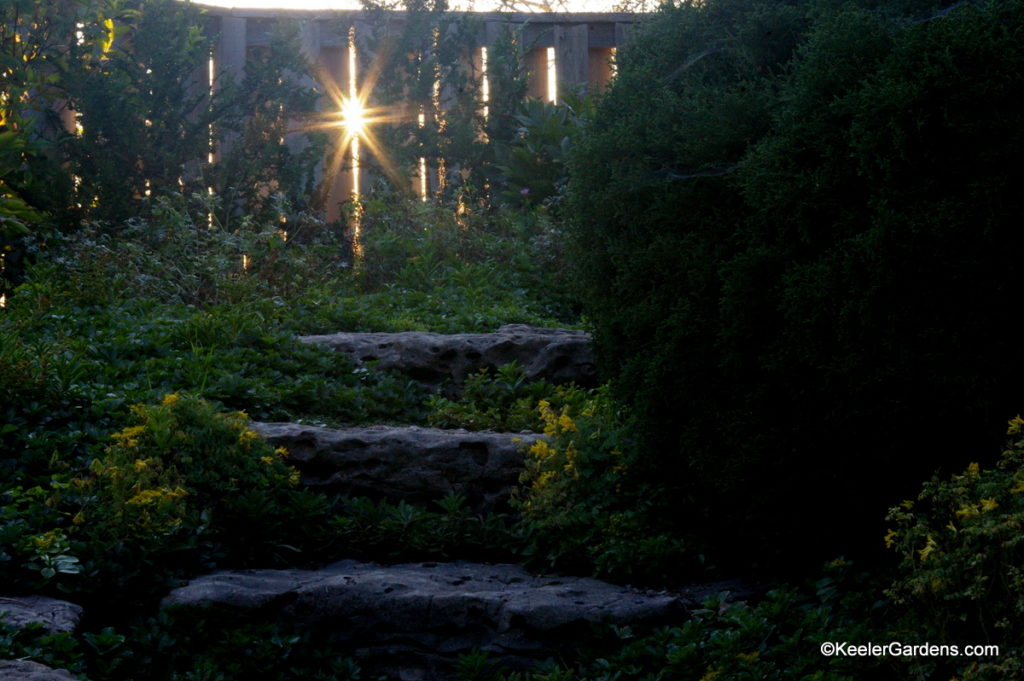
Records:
x=56, y=616
x=554, y=355
x=415, y=619
x=26, y=670
x=411, y=463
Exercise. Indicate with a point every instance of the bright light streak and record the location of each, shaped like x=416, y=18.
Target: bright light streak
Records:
x=552, y=76
x=353, y=117
x=211, y=79
x=352, y=110
x=485, y=83
x=423, y=163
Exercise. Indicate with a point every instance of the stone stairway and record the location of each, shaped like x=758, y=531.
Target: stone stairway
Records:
x=412, y=621
x=417, y=465
x=446, y=360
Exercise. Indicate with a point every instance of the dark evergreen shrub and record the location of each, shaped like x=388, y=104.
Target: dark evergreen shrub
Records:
x=796, y=230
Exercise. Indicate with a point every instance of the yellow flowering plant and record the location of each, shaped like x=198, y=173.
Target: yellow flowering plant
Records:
x=503, y=399
x=581, y=506
x=189, y=477
x=962, y=570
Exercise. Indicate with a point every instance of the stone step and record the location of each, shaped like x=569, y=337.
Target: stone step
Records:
x=434, y=359
x=412, y=621
x=55, y=616
x=26, y=670
x=419, y=465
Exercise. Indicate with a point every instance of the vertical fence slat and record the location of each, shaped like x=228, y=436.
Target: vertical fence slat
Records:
x=230, y=64
x=536, y=65
x=599, y=68
x=231, y=55
x=571, y=62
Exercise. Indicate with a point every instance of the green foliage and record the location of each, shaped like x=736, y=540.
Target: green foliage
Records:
x=262, y=172
x=15, y=213
x=503, y=402
x=181, y=457
x=485, y=270
x=425, y=67
x=790, y=247
x=34, y=549
x=184, y=647
x=960, y=577
x=125, y=112
x=583, y=507
x=506, y=78
x=140, y=107
x=532, y=167
x=430, y=66
x=382, y=530
x=777, y=635
x=182, y=253
x=184, y=488
x=188, y=486
x=202, y=647
x=34, y=55
x=235, y=355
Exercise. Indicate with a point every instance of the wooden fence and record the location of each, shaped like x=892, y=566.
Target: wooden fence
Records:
x=563, y=52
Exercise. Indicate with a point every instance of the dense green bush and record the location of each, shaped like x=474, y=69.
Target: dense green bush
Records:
x=803, y=252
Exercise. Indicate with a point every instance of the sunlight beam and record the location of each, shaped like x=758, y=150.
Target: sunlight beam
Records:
x=353, y=117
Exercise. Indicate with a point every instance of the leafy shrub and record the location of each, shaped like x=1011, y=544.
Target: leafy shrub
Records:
x=532, y=167
x=35, y=551
x=184, y=488
x=47, y=419
x=961, y=580
x=174, y=646
x=184, y=467
x=383, y=530
x=779, y=637
x=15, y=213
x=584, y=509
x=485, y=269
x=790, y=248
x=33, y=51
x=146, y=118
x=503, y=402
x=180, y=253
